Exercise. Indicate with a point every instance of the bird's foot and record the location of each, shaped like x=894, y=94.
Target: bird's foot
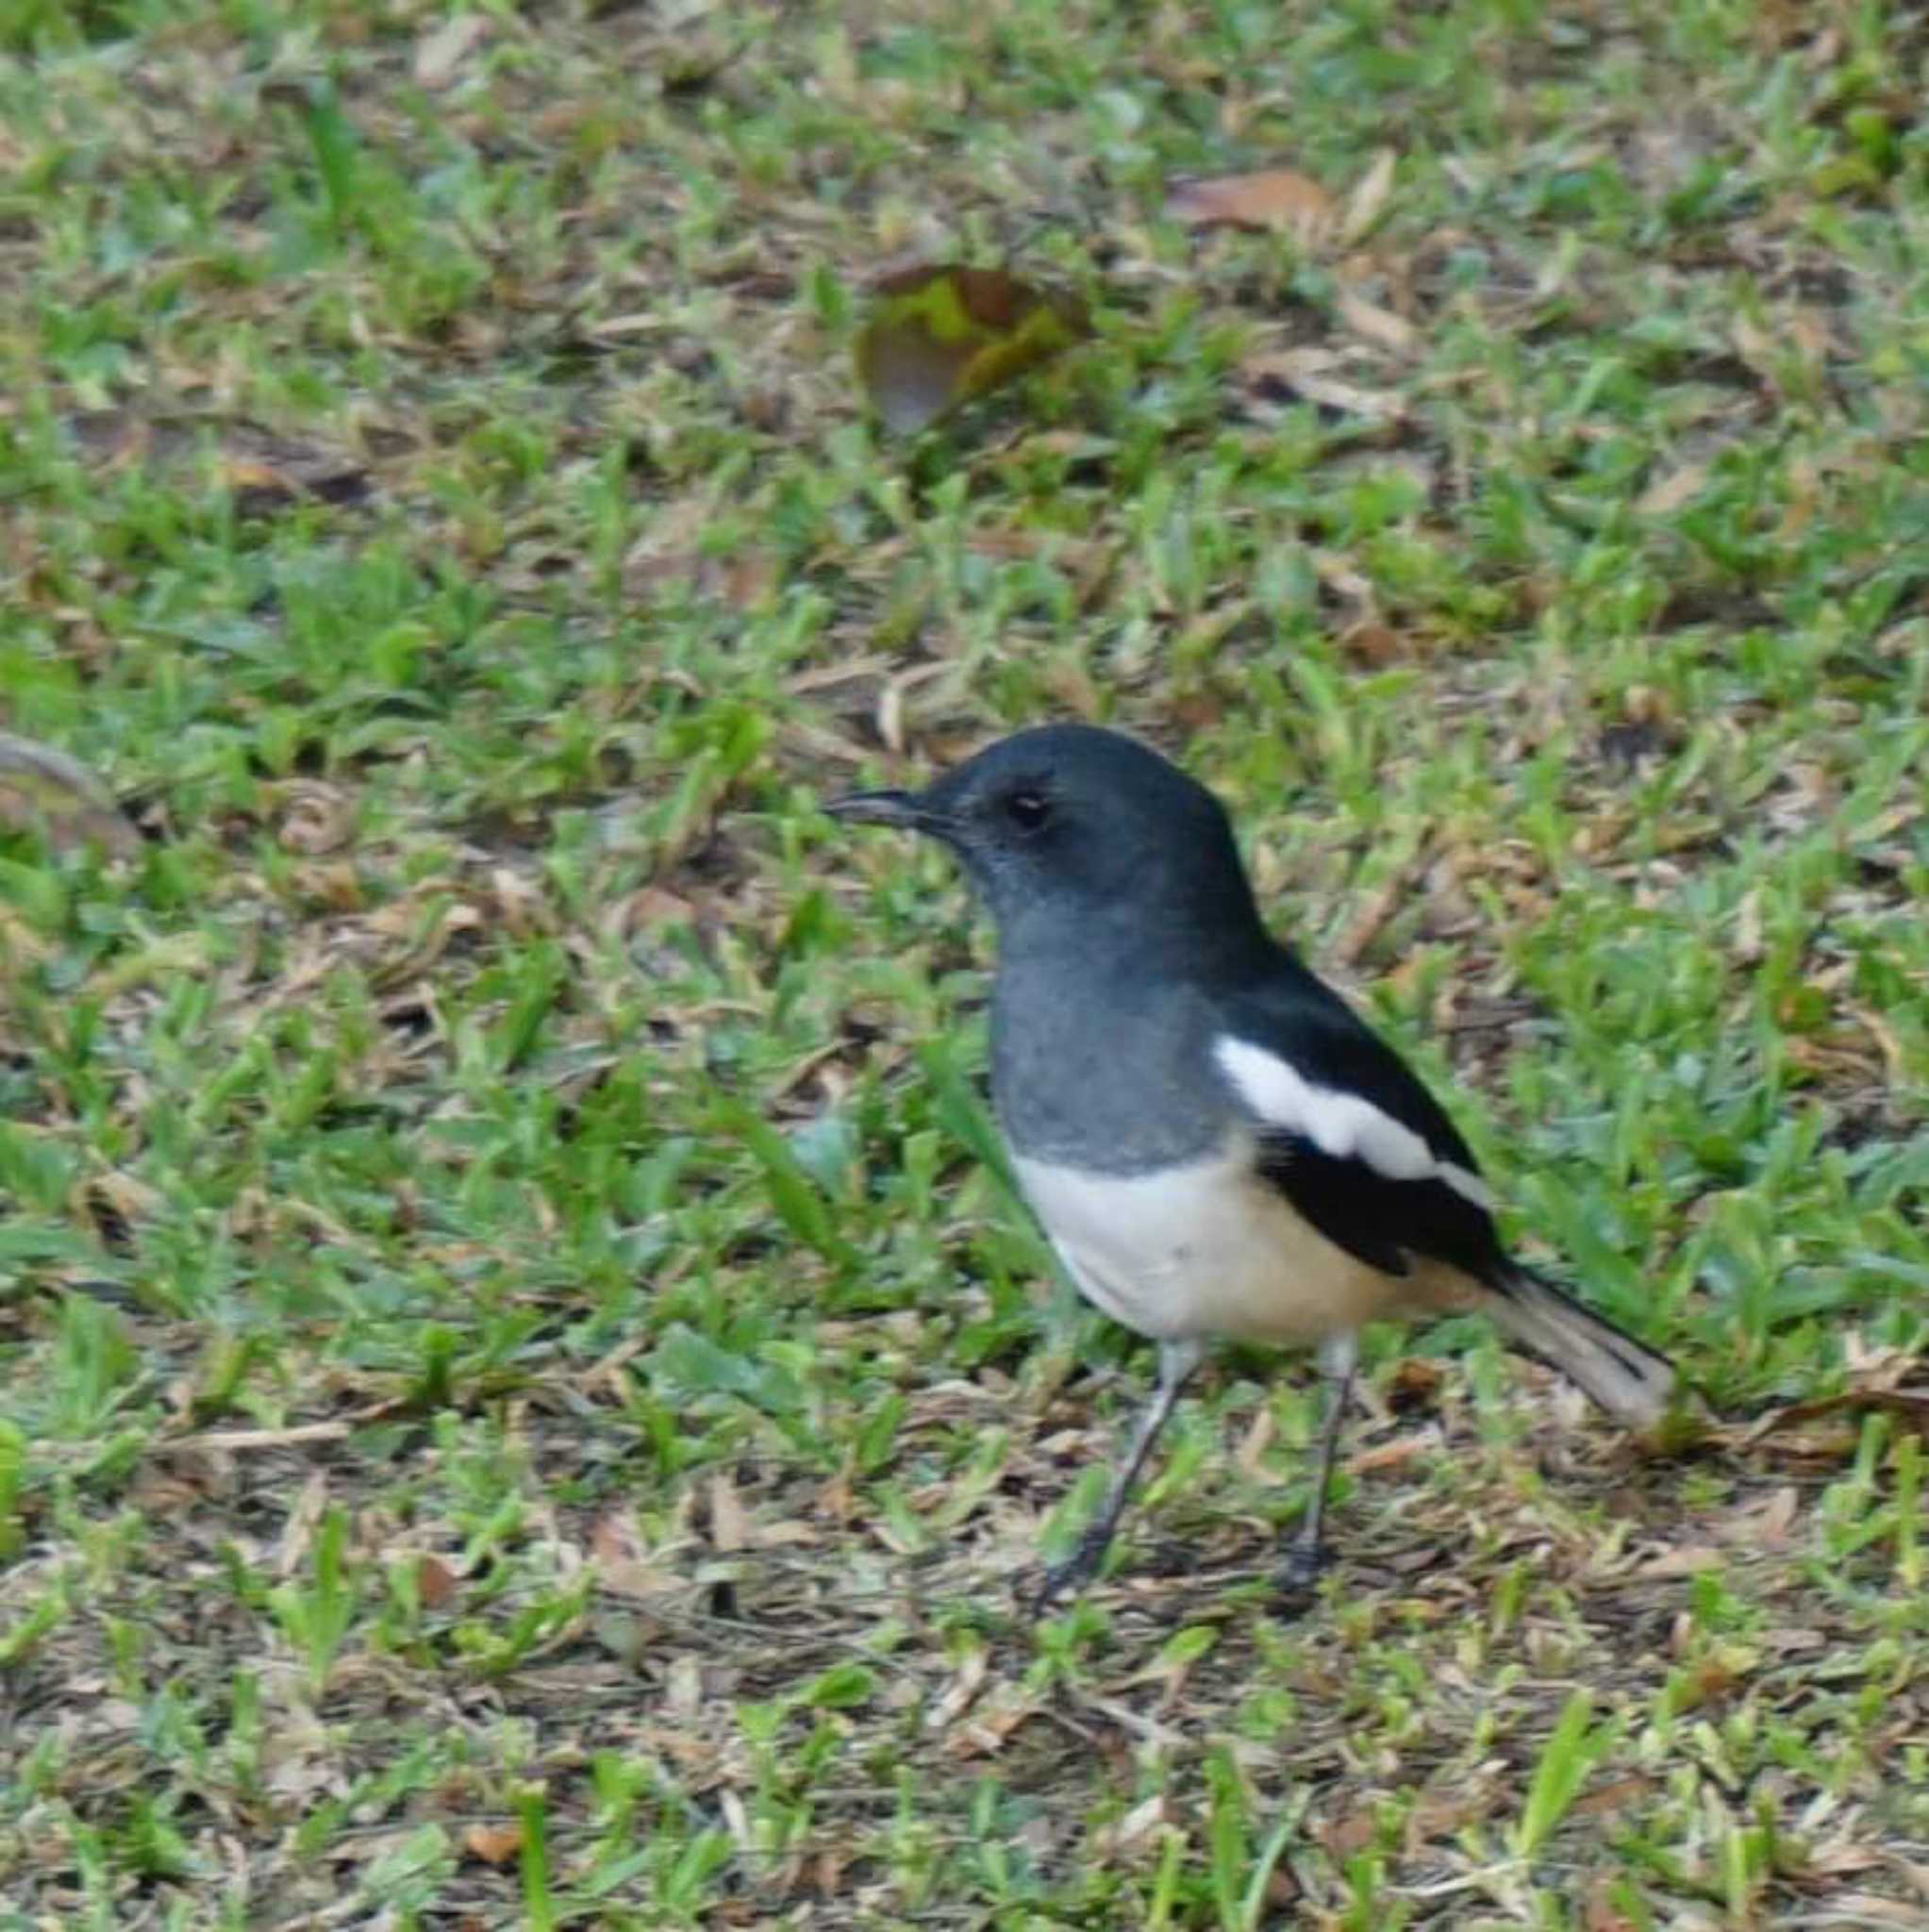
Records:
x=1071, y=1574
x=1298, y=1575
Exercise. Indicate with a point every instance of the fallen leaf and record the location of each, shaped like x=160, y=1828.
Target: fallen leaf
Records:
x=230, y=1441
x=47, y=788
x=1894, y=1062
x=1276, y=198
x=1868, y=1908
x=1690, y=1560
x=1250, y=1456
x=1394, y=1454
x=1138, y=1824
x=1602, y=1914
x=1345, y=1838
x=260, y=470
x=729, y=1524
x=1301, y=373
x=622, y=1569
x=1440, y=1815
x=1668, y=494
x=959, y=1694
x=937, y=337
x=1378, y=326
x=1613, y=1794
x=683, y=1686
x=435, y=1582
x=319, y=818
x=1910, y=1406
x=1415, y=1382
x=1369, y=641
x=256, y=485
x=1375, y=910
x=1777, y=1516
x=298, y=1532
x=438, y=54
x=1369, y=199
x=494, y=1844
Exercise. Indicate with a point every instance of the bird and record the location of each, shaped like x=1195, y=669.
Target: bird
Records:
x=1213, y=1142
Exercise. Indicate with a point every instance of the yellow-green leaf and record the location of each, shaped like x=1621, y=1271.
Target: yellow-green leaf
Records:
x=937, y=336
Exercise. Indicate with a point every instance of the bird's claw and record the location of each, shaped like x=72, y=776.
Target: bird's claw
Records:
x=1299, y=1573
x=1071, y=1574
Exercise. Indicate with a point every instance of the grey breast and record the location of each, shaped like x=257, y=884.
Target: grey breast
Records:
x=1103, y=1066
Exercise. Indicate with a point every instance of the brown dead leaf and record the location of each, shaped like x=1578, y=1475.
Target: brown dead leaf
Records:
x=1688, y=1560
x=1369, y=199
x=1909, y=1405
x=1280, y=199
x=494, y=1844
x=1373, y=913
x=1416, y=1382
x=435, y=1582
x=1138, y=1824
x=959, y=1694
x=1776, y=1517
x=1370, y=642
x=298, y=1532
x=1820, y=1446
x=47, y=788
x=1894, y=1061
x=261, y=483
x=1302, y=373
x=1602, y=1914
x=730, y=1528
x=1867, y=1908
x=255, y=486
x=1249, y=1458
x=621, y=1567
x=318, y=818
x=1394, y=1454
x=1442, y=1814
x=1380, y=326
x=786, y=1533
x=1611, y=1795
x=442, y=51
x=938, y=335
x=1668, y=494
x=1749, y=949
x=1713, y=1678
x=261, y=470
x=655, y=908
x=1755, y=346
x=228, y=1442
x=1345, y=1838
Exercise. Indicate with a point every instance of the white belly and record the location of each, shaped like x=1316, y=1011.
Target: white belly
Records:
x=1205, y=1249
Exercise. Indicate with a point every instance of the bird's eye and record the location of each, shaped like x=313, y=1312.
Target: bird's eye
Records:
x=1028, y=810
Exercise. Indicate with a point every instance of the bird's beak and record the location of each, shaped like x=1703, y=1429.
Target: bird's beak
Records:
x=901, y=809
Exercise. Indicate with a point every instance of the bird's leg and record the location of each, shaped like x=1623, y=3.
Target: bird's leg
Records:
x=1176, y=1361
x=1339, y=1357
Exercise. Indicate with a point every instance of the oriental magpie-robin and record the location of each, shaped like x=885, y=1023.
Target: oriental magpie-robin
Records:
x=1213, y=1142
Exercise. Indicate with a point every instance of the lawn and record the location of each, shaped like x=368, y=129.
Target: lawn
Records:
x=525, y=1395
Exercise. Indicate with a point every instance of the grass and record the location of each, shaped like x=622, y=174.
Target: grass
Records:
x=525, y=1398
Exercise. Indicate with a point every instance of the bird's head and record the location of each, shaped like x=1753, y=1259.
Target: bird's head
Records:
x=1069, y=823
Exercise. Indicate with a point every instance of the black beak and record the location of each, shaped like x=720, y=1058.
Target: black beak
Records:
x=901, y=809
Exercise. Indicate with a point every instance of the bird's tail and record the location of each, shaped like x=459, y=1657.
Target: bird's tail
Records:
x=1626, y=1376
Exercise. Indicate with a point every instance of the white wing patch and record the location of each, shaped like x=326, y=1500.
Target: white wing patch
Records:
x=1347, y=1127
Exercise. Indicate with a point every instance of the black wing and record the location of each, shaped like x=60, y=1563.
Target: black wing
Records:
x=1378, y=1218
